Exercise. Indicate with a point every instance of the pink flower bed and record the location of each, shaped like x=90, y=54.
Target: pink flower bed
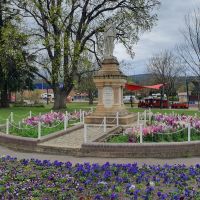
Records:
x=165, y=124
x=52, y=118
x=47, y=119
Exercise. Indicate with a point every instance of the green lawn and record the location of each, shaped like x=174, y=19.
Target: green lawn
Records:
x=22, y=112
x=155, y=110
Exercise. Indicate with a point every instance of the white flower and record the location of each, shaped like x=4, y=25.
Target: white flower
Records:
x=132, y=187
x=102, y=182
x=151, y=183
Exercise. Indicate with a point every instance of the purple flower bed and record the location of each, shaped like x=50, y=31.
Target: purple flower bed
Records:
x=36, y=179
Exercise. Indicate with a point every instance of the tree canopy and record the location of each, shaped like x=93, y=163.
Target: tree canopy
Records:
x=63, y=30
x=14, y=73
x=165, y=68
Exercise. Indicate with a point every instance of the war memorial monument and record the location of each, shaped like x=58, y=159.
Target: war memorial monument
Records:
x=110, y=82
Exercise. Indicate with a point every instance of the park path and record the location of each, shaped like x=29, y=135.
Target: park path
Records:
x=149, y=161
x=76, y=138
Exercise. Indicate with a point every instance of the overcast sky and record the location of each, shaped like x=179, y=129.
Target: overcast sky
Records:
x=165, y=35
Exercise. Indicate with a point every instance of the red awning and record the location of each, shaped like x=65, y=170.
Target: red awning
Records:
x=156, y=87
x=133, y=87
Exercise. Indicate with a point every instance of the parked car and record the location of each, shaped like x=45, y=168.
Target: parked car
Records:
x=179, y=106
x=126, y=99
x=44, y=96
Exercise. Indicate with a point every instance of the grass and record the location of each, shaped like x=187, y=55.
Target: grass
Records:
x=167, y=111
x=33, y=132
x=176, y=137
x=118, y=139
x=22, y=112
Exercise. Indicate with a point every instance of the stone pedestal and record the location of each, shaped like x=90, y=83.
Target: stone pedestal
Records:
x=110, y=83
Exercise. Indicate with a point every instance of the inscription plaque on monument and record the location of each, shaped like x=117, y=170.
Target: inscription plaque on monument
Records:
x=108, y=97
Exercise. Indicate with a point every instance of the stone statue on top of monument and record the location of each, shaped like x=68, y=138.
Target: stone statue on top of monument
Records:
x=109, y=38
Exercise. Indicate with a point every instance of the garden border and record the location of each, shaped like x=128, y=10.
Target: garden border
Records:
x=31, y=144
x=99, y=149
x=144, y=150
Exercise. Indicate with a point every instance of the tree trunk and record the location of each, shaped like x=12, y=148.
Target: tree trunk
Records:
x=4, y=103
x=90, y=96
x=22, y=96
x=60, y=97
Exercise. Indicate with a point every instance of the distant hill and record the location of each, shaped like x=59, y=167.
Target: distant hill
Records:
x=142, y=79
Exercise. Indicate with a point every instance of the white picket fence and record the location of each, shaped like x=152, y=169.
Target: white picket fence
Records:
x=188, y=131
x=103, y=126
x=142, y=119
x=9, y=122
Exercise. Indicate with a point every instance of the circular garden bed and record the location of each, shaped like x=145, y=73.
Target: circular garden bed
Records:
x=49, y=123
x=161, y=128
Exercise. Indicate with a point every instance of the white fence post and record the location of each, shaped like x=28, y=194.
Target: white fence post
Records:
x=117, y=118
x=30, y=114
x=19, y=124
x=189, y=132
x=149, y=115
x=138, y=118
x=39, y=130
x=7, y=126
x=145, y=117
x=11, y=117
x=85, y=133
x=141, y=134
x=92, y=109
x=104, y=124
x=65, y=122
x=80, y=115
x=83, y=117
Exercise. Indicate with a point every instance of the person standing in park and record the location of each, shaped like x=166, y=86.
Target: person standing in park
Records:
x=131, y=101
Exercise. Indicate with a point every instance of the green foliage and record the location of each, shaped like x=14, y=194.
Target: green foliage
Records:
x=68, y=30
x=118, y=139
x=33, y=131
x=39, y=105
x=13, y=56
x=13, y=59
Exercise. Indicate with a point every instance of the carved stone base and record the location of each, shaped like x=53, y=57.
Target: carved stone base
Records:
x=110, y=82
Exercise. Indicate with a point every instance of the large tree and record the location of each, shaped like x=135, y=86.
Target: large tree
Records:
x=189, y=50
x=165, y=68
x=64, y=29
x=12, y=54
